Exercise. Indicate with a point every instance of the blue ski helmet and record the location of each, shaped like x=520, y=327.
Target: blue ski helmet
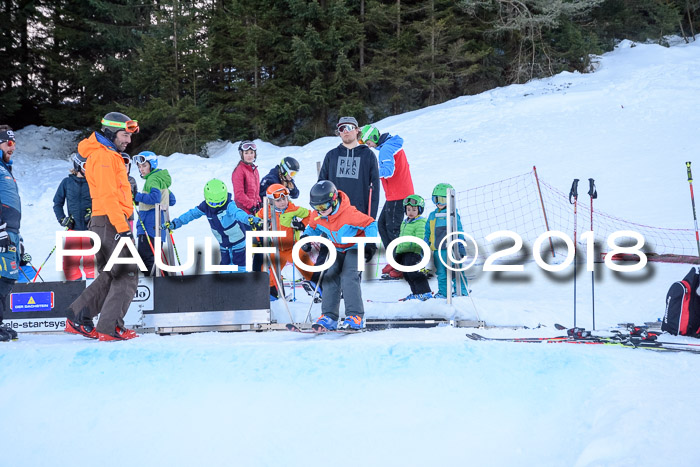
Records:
x=149, y=156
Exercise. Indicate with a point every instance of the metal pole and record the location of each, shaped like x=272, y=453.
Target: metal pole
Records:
x=546, y=222
x=574, y=194
x=593, y=193
x=692, y=200
x=448, y=225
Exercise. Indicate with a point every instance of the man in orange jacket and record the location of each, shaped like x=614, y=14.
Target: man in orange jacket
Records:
x=112, y=292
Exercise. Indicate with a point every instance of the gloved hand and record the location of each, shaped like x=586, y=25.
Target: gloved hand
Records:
x=255, y=222
x=5, y=242
x=370, y=250
x=298, y=225
x=307, y=246
x=24, y=258
x=171, y=199
x=88, y=215
x=127, y=234
x=68, y=222
x=172, y=225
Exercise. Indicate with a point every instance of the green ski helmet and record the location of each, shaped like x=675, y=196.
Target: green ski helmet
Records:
x=369, y=133
x=414, y=200
x=440, y=191
x=215, y=193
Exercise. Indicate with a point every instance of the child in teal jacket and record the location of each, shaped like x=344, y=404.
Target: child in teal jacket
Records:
x=435, y=231
x=408, y=253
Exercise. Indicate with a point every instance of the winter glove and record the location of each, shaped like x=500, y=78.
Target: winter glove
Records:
x=298, y=225
x=172, y=225
x=126, y=234
x=370, y=250
x=24, y=258
x=5, y=242
x=68, y=222
x=256, y=223
x=171, y=199
x=306, y=246
x=88, y=215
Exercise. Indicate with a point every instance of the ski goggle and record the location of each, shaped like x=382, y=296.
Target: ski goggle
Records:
x=140, y=159
x=281, y=193
x=130, y=126
x=81, y=164
x=346, y=128
x=411, y=202
x=216, y=205
x=247, y=146
x=324, y=206
x=126, y=159
x=440, y=199
x=10, y=143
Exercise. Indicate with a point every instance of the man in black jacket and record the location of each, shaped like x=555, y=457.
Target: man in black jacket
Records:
x=353, y=168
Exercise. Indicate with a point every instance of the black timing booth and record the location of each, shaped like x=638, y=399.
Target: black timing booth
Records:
x=173, y=304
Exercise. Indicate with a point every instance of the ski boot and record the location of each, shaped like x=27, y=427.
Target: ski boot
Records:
x=325, y=323
x=353, y=323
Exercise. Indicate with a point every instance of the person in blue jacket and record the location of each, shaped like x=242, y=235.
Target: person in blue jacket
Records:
x=12, y=254
x=75, y=193
x=228, y=223
x=283, y=174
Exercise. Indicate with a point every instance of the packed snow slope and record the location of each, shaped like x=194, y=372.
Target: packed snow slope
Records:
x=400, y=397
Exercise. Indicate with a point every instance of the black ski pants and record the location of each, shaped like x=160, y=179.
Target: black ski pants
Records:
x=389, y=222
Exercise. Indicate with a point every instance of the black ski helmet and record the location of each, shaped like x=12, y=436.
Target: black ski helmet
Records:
x=110, y=131
x=79, y=163
x=323, y=195
x=290, y=166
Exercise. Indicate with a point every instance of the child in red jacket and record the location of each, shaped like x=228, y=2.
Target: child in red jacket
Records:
x=246, y=179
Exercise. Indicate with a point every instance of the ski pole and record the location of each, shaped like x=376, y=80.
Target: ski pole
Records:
x=692, y=200
x=280, y=289
x=24, y=274
x=573, y=194
x=172, y=240
x=47, y=258
x=37, y=272
x=313, y=296
x=593, y=193
x=148, y=237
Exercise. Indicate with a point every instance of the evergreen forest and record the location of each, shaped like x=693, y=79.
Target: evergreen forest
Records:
x=285, y=70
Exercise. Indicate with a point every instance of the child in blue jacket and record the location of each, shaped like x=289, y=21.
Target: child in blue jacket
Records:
x=435, y=231
x=228, y=222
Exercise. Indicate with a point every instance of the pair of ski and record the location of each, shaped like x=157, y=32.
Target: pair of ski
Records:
x=639, y=337
x=318, y=329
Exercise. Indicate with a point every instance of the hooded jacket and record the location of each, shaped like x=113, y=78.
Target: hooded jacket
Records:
x=109, y=184
x=155, y=190
x=353, y=171
x=75, y=193
x=344, y=221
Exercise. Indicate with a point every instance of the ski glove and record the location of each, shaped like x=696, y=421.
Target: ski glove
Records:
x=5, y=242
x=298, y=225
x=306, y=246
x=88, y=215
x=256, y=223
x=370, y=250
x=126, y=234
x=68, y=222
x=24, y=258
x=171, y=199
x=172, y=225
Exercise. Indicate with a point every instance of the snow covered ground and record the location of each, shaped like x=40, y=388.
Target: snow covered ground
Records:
x=401, y=397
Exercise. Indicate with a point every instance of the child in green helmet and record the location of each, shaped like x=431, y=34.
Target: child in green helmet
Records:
x=408, y=253
x=435, y=232
x=228, y=223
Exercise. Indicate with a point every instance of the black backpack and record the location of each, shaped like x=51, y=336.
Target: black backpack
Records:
x=682, y=315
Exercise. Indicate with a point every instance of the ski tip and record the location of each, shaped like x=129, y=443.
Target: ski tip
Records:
x=559, y=327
